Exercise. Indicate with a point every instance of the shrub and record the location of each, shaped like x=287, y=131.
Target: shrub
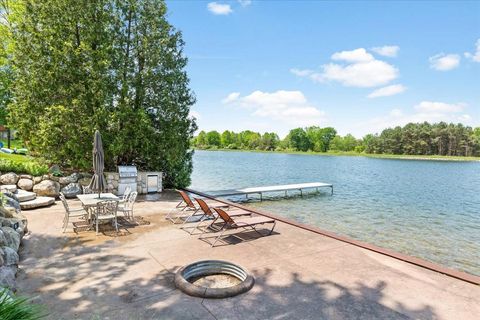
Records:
x=31, y=167
x=18, y=308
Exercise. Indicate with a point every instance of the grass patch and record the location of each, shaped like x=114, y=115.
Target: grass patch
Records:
x=17, y=143
x=18, y=308
x=21, y=164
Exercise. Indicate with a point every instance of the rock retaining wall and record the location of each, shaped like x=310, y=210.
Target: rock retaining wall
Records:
x=13, y=226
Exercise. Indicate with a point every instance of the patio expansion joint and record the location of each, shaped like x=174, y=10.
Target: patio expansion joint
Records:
x=208, y=310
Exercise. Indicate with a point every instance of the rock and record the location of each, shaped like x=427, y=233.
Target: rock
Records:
x=47, y=188
x=3, y=239
x=26, y=176
x=10, y=256
x=11, y=201
x=12, y=237
x=37, y=179
x=7, y=277
x=23, y=195
x=54, y=168
x=72, y=190
x=9, y=178
x=45, y=177
x=8, y=188
x=37, y=203
x=10, y=222
x=84, y=181
x=10, y=195
x=25, y=184
x=1, y=258
x=73, y=178
x=54, y=178
x=7, y=212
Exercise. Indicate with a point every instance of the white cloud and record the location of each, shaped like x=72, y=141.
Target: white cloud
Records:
x=387, y=91
x=231, y=97
x=444, y=62
x=357, y=55
x=430, y=106
x=360, y=69
x=245, y=3
x=219, y=8
x=301, y=73
x=476, y=55
x=387, y=51
x=362, y=74
x=290, y=107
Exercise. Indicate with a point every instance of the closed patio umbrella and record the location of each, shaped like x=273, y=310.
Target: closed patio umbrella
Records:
x=98, y=180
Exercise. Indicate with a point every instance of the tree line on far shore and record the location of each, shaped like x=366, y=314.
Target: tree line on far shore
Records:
x=412, y=139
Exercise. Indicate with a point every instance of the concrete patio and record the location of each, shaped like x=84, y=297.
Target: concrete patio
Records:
x=299, y=275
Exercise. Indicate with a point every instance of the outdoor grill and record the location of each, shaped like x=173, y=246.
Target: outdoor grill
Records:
x=127, y=176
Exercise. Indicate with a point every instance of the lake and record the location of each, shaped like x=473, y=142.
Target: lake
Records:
x=427, y=209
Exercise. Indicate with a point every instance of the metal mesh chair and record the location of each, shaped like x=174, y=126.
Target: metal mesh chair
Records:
x=127, y=206
x=71, y=213
x=87, y=190
x=105, y=211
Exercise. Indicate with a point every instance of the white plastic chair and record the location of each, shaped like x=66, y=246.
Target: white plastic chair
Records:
x=127, y=206
x=71, y=213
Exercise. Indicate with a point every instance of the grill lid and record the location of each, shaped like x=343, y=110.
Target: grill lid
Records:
x=127, y=171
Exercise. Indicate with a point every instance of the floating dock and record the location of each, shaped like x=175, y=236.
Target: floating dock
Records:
x=261, y=190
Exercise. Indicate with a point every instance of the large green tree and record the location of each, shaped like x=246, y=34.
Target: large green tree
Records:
x=113, y=65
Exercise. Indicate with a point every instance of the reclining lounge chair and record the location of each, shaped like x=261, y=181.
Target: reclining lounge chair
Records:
x=242, y=222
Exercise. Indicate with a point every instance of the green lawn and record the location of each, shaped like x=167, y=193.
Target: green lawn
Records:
x=17, y=143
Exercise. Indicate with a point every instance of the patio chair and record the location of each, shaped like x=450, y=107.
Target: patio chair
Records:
x=212, y=215
x=126, y=193
x=243, y=223
x=127, y=206
x=71, y=213
x=186, y=208
x=106, y=210
x=87, y=190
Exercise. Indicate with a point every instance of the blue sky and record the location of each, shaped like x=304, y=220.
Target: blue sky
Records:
x=357, y=66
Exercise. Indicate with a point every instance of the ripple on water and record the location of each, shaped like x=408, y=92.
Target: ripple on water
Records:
x=428, y=209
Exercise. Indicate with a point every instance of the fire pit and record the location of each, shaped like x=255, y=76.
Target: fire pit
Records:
x=213, y=279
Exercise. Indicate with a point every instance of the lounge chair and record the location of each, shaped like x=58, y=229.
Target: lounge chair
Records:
x=212, y=215
x=187, y=209
x=231, y=223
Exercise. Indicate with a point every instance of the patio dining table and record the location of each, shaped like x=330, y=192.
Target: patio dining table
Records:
x=91, y=200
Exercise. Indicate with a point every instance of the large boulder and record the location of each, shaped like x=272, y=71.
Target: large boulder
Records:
x=47, y=188
x=12, y=237
x=38, y=202
x=72, y=190
x=7, y=277
x=19, y=219
x=25, y=184
x=10, y=256
x=23, y=195
x=11, y=200
x=12, y=188
x=73, y=178
x=26, y=176
x=9, y=178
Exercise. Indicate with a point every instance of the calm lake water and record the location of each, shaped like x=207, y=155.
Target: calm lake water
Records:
x=428, y=209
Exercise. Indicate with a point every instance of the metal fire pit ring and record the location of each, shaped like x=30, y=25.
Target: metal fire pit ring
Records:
x=213, y=267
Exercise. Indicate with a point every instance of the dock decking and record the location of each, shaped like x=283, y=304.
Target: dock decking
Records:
x=261, y=190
